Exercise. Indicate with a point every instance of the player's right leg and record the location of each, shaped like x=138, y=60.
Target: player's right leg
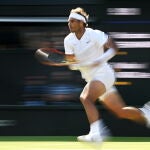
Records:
x=88, y=97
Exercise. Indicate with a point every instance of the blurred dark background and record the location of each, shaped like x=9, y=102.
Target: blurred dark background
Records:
x=42, y=100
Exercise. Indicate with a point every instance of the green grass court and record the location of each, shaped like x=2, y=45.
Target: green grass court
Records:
x=70, y=143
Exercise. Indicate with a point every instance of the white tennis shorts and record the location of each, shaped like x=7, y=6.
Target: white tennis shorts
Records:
x=104, y=74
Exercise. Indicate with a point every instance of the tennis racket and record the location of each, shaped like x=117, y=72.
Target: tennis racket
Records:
x=52, y=56
x=55, y=57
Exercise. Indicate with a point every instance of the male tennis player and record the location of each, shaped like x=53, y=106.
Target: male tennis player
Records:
x=94, y=47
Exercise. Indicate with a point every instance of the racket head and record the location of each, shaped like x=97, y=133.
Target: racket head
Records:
x=56, y=56
x=50, y=55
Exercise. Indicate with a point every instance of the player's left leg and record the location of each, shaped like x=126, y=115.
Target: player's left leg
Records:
x=114, y=102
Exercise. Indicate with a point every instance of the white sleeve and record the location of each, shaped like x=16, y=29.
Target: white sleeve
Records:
x=101, y=37
x=68, y=48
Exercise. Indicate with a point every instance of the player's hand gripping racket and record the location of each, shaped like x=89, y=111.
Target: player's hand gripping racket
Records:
x=52, y=57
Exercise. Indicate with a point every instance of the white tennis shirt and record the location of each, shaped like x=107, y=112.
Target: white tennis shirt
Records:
x=87, y=49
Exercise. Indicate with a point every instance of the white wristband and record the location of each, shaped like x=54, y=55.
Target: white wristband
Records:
x=107, y=55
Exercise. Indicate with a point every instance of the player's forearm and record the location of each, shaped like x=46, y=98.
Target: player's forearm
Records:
x=102, y=59
x=110, y=53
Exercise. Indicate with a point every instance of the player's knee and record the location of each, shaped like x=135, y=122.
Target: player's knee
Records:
x=84, y=99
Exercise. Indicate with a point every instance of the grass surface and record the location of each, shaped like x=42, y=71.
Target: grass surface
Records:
x=70, y=143
x=69, y=138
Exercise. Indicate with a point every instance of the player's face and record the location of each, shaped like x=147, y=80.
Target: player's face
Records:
x=75, y=25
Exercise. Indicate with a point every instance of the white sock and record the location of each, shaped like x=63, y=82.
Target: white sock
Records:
x=96, y=126
x=145, y=116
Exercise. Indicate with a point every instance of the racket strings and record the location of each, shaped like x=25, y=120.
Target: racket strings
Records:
x=56, y=57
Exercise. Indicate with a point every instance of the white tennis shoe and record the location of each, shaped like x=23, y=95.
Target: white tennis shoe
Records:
x=95, y=137
x=146, y=111
x=90, y=138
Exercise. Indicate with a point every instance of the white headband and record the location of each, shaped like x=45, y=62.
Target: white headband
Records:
x=77, y=16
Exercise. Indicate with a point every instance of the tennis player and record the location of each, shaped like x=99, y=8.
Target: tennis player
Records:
x=95, y=48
